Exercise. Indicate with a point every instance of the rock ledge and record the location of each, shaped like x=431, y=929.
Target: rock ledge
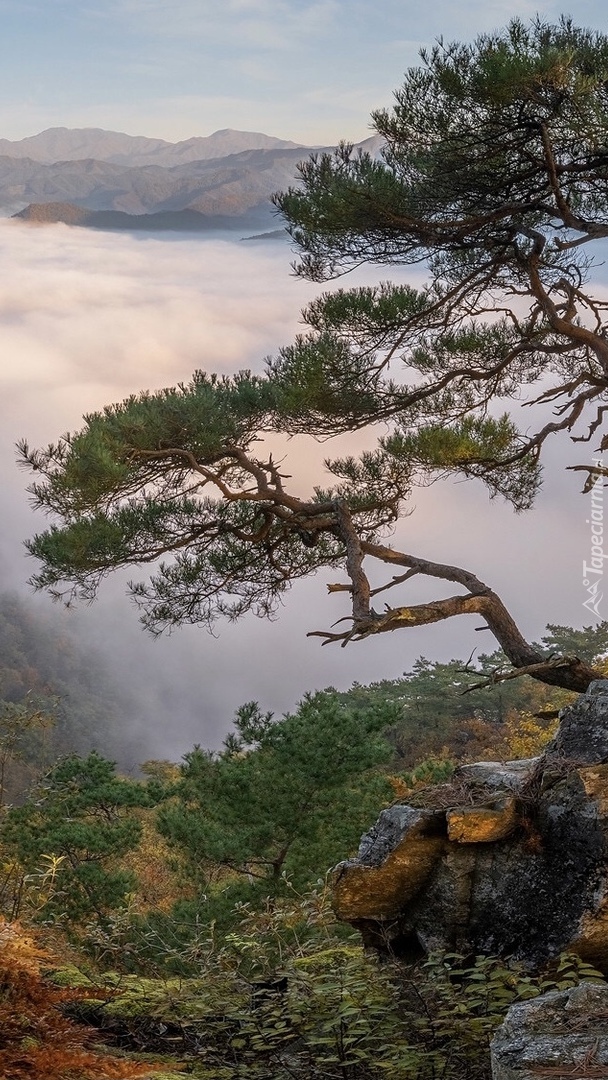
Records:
x=515, y=863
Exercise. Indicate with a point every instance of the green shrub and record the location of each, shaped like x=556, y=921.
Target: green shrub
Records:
x=289, y=994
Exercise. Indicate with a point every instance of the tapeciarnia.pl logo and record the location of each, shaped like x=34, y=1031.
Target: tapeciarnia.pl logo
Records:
x=593, y=571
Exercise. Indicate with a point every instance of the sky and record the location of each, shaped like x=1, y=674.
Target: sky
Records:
x=306, y=70
x=87, y=318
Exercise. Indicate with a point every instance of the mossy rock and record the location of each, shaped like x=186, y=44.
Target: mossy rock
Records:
x=85, y=1011
x=72, y=977
x=220, y=1072
x=136, y=997
x=172, y=1000
x=160, y=1016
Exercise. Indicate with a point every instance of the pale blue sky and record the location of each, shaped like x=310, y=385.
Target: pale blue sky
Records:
x=309, y=70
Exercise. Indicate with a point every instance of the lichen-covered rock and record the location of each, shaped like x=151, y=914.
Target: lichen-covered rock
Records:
x=582, y=736
x=563, y=1034
x=395, y=859
x=483, y=824
x=515, y=865
x=499, y=775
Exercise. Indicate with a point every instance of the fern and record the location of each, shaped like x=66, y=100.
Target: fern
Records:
x=35, y=1039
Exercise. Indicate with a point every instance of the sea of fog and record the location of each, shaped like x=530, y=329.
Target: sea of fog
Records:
x=87, y=318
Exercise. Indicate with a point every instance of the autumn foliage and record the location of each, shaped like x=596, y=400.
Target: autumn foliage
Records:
x=36, y=1040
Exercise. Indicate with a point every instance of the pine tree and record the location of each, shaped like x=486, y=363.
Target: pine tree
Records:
x=494, y=177
x=285, y=797
x=77, y=823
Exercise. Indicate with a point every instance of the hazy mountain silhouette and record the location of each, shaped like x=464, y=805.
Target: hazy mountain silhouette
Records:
x=236, y=185
x=173, y=220
x=76, y=144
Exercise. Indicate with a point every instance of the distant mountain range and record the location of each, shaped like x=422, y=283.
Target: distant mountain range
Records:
x=78, y=144
x=224, y=180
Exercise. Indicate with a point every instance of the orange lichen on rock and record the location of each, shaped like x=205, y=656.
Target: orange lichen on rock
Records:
x=591, y=941
x=379, y=887
x=595, y=781
x=482, y=824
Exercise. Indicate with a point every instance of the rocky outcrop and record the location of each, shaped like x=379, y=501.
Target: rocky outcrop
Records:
x=395, y=860
x=582, y=736
x=511, y=859
x=563, y=1035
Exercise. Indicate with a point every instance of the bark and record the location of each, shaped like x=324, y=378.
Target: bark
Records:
x=568, y=672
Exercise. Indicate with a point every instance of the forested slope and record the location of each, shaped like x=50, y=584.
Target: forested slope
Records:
x=56, y=695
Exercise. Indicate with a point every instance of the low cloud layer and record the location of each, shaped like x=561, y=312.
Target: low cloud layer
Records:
x=87, y=318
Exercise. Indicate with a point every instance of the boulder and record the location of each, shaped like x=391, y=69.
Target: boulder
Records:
x=582, y=736
x=499, y=775
x=563, y=1035
x=514, y=863
x=395, y=859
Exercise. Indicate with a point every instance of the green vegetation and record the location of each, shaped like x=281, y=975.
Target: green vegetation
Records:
x=68, y=834
x=285, y=797
x=196, y=904
x=22, y=728
x=55, y=697
x=461, y=710
x=287, y=997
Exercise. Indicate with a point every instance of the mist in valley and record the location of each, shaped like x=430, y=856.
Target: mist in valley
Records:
x=87, y=318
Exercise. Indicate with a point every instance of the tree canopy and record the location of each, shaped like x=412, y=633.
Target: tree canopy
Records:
x=285, y=796
x=493, y=176
x=71, y=830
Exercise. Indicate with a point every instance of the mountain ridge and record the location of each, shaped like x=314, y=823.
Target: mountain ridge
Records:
x=191, y=221
x=233, y=186
x=76, y=144
x=229, y=185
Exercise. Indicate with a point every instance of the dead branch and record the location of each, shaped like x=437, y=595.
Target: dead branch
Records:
x=535, y=670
